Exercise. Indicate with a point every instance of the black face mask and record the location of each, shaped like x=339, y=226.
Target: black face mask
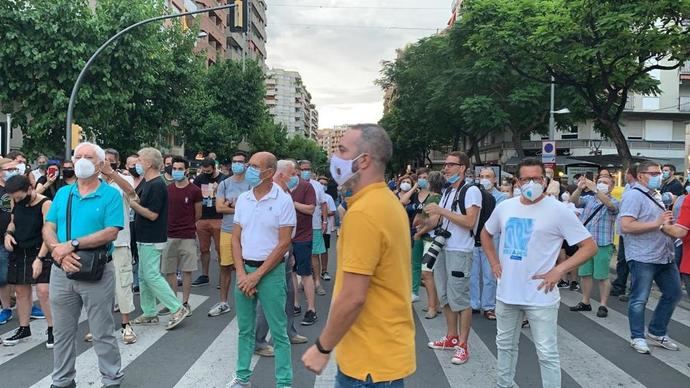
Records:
x=133, y=172
x=209, y=174
x=168, y=170
x=114, y=166
x=68, y=173
x=25, y=201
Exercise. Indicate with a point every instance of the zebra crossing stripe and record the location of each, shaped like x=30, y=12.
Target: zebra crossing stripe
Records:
x=216, y=366
x=327, y=378
x=680, y=315
x=617, y=324
x=585, y=365
x=88, y=373
x=479, y=371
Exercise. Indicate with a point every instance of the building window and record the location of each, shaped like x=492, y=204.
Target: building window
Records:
x=570, y=133
x=650, y=103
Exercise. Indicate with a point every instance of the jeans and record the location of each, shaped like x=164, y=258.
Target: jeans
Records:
x=619, y=285
x=679, y=254
x=272, y=294
x=667, y=277
x=344, y=381
x=152, y=285
x=544, y=328
x=482, y=282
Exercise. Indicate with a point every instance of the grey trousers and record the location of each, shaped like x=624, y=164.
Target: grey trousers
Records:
x=262, y=323
x=66, y=300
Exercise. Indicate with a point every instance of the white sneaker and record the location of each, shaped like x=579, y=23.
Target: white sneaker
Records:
x=236, y=383
x=218, y=309
x=663, y=341
x=128, y=335
x=640, y=345
x=415, y=298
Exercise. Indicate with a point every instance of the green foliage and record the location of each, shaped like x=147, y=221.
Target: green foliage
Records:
x=601, y=49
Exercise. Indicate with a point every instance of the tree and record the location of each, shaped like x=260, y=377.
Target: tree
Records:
x=602, y=49
x=129, y=97
x=301, y=148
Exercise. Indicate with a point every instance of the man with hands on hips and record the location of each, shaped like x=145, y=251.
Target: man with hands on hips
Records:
x=532, y=228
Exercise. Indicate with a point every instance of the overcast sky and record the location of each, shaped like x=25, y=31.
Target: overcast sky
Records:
x=339, y=65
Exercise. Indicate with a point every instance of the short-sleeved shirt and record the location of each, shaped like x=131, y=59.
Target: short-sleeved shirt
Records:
x=182, y=211
x=460, y=238
x=375, y=241
x=320, y=198
x=261, y=221
x=229, y=190
x=124, y=237
x=674, y=187
x=650, y=247
x=5, y=210
x=331, y=219
x=601, y=226
x=91, y=213
x=531, y=240
x=208, y=186
x=154, y=196
x=305, y=194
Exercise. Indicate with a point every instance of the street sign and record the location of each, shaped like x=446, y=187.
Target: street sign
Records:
x=548, y=152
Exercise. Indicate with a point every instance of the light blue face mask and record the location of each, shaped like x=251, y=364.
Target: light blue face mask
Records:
x=306, y=175
x=655, y=182
x=177, y=175
x=666, y=174
x=422, y=183
x=453, y=180
x=292, y=182
x=238, y=168
x=253, y=176
x=139, y=168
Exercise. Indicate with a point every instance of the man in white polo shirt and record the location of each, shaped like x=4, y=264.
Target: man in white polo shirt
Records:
x=264, y=219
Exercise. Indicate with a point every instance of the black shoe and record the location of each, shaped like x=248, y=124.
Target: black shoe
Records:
x=51, y=340
x=309, y=318
x=297, y=310
x=22, y=332
x=563, y=284
x=617, y=293
x=603, y=312
x=581, y=307
x=476, y=311
x=135, y=290
x=202, y=280
x=574, y=286
x=624, y=298
x=71, y=385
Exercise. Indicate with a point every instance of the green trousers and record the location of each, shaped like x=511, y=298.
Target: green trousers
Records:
x=151, y=283
x=272, y=293
x=417, y=253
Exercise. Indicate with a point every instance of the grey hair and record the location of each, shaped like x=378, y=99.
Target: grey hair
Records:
x=112, y=151
x=152, y=155
x=488, y=169
x=100, y=154
x=374, y=140
x=284, y=164
x=436, y=182
x=304, y=161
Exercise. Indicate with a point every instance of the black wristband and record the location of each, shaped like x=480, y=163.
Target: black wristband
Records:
x=320, y=348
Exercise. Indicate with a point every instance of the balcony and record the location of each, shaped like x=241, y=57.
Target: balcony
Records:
x=685, y=71
x=684, y=104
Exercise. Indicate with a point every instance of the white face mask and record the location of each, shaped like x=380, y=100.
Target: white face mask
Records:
x=342, y=170
x=486, y=184
x=603, y=187
x=21, y=167
x=405, y=187
x=531, y=191
x=84, y=169
x=565, y=197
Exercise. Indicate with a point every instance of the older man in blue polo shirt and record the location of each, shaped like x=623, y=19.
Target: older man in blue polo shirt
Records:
x=97, y=217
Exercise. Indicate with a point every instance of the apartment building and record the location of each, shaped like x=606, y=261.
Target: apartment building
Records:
x=253, y=43
x=289, y=103
x=329, y=138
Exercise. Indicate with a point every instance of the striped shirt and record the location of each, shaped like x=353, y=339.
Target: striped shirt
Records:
x=601, y=226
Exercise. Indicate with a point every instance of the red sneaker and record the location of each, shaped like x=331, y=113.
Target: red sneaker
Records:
x=461, y=356
x=445, y=343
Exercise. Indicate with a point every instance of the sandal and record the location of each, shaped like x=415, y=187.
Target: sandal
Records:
x=490, y=315
x=431, y=314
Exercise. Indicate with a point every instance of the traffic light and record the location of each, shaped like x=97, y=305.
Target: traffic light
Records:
x=238, y=17
x=77, y=133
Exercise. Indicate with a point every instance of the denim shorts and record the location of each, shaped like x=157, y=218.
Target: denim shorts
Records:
x=4, y=265
x=302, y=252
x=344, y=381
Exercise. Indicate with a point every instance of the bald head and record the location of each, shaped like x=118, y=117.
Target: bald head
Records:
x=264, y=161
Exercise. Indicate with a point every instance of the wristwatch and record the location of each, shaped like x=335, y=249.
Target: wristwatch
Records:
x=320, y=348
x=75, y=244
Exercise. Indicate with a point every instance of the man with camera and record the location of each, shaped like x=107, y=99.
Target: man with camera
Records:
x=532, y=229
x=454, y=262
x=96, y=216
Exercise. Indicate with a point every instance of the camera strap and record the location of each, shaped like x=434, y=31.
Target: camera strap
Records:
x=446, y=197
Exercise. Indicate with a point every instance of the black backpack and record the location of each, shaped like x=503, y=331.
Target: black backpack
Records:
x=488, y=206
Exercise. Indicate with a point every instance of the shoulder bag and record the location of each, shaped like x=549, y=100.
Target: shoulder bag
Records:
x=92, y=261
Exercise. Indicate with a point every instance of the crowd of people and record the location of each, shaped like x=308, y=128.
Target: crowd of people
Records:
x=89, y=233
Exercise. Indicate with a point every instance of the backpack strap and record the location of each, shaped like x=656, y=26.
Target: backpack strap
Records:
x=594, y=213
x=650, y=198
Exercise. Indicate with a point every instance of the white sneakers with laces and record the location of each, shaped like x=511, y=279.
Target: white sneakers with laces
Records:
x=640, y=345
x=663, y=341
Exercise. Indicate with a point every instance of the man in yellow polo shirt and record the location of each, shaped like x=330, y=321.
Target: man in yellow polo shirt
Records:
x=370, y=324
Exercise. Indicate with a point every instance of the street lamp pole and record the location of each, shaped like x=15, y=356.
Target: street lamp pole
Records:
x=77, y=84
x=552, y=119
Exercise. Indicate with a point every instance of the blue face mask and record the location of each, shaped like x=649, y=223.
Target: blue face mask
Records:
x=139, y=168
x=666, y=174
x=347, y=193
x=253, y=176
x=306, y=175
x=292, y=182
x=655, y=182
x=453, y=180
x=177, y=175
x=238, y=168
x=423, y=183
